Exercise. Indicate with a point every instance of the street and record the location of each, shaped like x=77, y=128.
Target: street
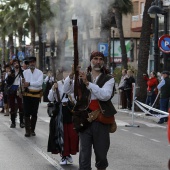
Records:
x=132, y=148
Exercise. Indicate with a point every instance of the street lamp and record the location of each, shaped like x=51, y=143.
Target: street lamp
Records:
x=155, y=11
x=156, y=48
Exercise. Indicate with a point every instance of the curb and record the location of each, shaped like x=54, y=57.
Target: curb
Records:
x=139, y=114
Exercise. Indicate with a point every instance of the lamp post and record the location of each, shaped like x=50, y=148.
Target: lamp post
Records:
x=154, y=11
x=156, y=48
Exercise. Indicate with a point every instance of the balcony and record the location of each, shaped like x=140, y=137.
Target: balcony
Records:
x=137, y=23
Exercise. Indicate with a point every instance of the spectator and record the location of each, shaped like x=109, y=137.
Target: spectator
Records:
x=129, y=79
x=152, y=91
x=123, y=99
x=163, y=86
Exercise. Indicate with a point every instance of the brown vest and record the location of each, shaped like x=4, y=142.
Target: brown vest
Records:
x=107, y=107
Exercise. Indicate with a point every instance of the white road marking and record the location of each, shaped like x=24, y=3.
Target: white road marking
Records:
x=38, y=150
x=137, y=134
x=155, y=140
x=124, y=130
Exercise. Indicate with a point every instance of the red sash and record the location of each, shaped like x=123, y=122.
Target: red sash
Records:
x=94, y=105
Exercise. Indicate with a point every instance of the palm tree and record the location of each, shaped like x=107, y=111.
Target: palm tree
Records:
x=3, y=31
x=144, y=52
x=122, y=7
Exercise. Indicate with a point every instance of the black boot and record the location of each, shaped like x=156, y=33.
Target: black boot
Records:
x=33, y=124
x=27, y=126
x=21, y=117
x=13, y=125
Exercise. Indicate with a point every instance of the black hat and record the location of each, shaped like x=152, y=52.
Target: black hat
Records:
x=166, y=72
x=26, y=62
x=32, y=59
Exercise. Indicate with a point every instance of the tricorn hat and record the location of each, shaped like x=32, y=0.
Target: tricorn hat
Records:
x=32, y=58
x=166, y=72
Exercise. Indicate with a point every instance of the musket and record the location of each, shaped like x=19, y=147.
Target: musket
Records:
x=21, y=89
x=77, y=91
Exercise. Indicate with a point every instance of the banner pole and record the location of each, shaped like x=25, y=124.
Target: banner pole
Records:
x=133, y=107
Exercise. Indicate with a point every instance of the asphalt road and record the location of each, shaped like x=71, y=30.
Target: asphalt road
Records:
x=132, y=148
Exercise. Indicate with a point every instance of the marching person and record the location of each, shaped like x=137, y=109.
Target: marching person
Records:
x=25, y=64
x=70, y=137
x=32, y=82
x=93, y=131
x=14, y=83
x=5, y=91
x=49, y=81
x=163, y=86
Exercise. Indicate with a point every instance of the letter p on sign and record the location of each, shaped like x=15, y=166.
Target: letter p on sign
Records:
x=102, y=48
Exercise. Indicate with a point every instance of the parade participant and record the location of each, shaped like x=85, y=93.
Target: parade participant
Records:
x=70, y=137
x=152, y=90
x=129, y=79
x=49, y=80
x=14, y=83
x=25, y=64
x=5, y=91
x=96, y=86
x=163, y=86
x=123, y=99
x=32, y=82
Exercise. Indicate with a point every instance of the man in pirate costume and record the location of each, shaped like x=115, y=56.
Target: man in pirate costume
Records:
x=13, y=81
x=97, y=86
x=32, y=82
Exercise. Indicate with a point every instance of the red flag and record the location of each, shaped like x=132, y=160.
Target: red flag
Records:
x=168, y=125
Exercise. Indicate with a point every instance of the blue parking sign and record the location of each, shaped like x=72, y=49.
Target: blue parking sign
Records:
x=103, y=47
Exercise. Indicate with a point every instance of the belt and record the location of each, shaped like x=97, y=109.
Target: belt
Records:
x=64, y=103
x=34, y=92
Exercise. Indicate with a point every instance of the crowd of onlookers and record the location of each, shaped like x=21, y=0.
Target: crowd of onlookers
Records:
x=158, y=92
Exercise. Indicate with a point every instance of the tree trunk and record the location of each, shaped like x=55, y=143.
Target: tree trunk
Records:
x=11, y=46
x=118, y=18
x=38, y=4
x=3, y=48
x=143, y=53
x=32, y=30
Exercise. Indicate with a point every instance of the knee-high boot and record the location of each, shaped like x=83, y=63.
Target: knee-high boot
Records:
x=27, y=126
x=33, y=124
x=13, y=125
x=21, y=117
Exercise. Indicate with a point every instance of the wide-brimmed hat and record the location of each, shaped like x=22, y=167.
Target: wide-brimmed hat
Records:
x=31, y=59
x=166, y=72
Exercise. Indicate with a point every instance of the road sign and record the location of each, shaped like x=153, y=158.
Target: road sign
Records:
x=21, y=55
x=103, y=47
x=164, y=43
